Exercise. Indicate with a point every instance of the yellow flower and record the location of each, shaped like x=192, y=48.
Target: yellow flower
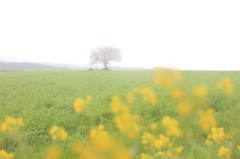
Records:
x=169, y=154
x=128, y=124
x=58, y=133
x=167, y=78
x=129, y=97
x=238, y=147
x=184, y=108
x=5, y=155
x=54, y=152
x=148, y=95
x=171, y=126
x=146, y=156
x=11, y=123
x=79, y=105
x=153, y=126
x=88, y=99
x=158, y=144
x=147, y=138
x=174, y=153
x=225, y=152
x=218, y=135
x=117, y=106
x=102, y=146
x=20, y=121
x=98, y=131
x=177, y=94
x=208, y=142
x=226, y=86
x=207, y=121
x=160, y=153
x=200, y=91
x=179, y=149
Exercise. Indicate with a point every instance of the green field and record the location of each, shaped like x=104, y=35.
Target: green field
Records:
x=45, y=98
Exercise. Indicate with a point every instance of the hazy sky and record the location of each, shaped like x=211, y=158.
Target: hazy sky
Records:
x=184, y=34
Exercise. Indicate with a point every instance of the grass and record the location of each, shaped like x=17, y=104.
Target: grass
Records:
x=45, y=98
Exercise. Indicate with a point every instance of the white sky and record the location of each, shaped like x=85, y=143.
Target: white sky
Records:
x=184, y=34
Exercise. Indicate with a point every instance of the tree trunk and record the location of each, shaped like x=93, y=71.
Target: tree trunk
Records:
x=105, y=65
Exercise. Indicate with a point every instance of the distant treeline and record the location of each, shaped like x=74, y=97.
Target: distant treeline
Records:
x=14, y=66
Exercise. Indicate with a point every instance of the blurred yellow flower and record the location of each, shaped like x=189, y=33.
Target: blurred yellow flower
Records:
x=153, y=126
x=148, y=95
x=79, y=105
x=11, y=123
x=179, y=149
x=207, y=121
x=223, y=151
x=117, y=106
x=238, y=147
x=146, y=156
x=98, y=131
x=184, y=108
x=58, y=133
x=171, y=126
x=5, y=155
x=226, y=86
x=178, y=94
x=129, y=97
x=218, y=135
x=54, y=152
x=88, y=99
x=208, y=142
x=166, y=77
x=128, y=124
x=160, y=153
x=200, y=91
x=101, y=146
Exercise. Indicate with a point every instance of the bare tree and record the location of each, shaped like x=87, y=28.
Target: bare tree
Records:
x=104, y=55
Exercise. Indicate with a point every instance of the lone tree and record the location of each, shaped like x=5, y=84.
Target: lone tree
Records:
x=104, y=55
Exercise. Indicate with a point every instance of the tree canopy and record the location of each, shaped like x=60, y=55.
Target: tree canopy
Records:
x=105, y=55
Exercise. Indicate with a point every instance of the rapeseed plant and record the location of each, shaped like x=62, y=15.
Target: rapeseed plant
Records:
x=207, y=121
x=5, y=155
x=11, y=123
x=129, y=97
x=226, y=86
x=53, y=152
x=80, y=104
x=223, y=151
x=58, y=133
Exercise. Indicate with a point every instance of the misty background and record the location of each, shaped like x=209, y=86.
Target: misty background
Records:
x=188, y=35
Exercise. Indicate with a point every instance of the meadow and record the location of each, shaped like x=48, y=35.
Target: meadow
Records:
x=180, y=119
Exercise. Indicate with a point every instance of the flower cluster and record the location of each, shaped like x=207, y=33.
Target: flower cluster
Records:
x=147, y=94
x=100, y=146
x=226, y=152
x=117, y=106
x=167, y=78
x=200, y=91
x=58, y=133
x=5, y=155
x=126, y=122
x=163, y=142
x=171, y=126
x=226, y=86
x=80, y=104
x=53, y=152
x=218, y=135
x=11, y=123
x=151, y=141
x=207, y=121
